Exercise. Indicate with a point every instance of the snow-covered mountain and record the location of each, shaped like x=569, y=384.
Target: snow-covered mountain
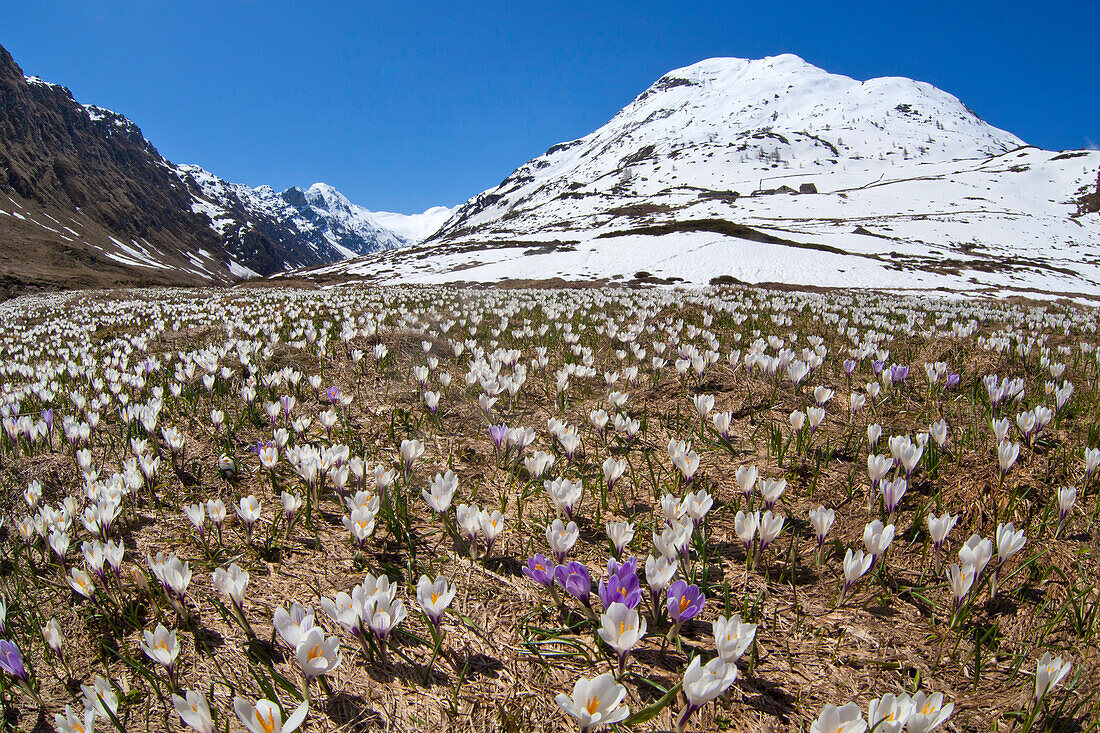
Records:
x=318, y=223
x=416, y=227
x=774, y=170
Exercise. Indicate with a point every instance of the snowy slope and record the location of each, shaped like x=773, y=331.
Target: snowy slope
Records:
x=415, y=227
x=699, y=178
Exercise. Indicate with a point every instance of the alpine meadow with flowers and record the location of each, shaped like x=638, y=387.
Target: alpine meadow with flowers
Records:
x=275, y=509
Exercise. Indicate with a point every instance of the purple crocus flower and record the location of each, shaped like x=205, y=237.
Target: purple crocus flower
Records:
x=498, y=433
x=953, y=379
x=541, y=570
x=576, y=581
x=624, y=589
x=898, y=373
x=684, y=601
x=630, y=567
x=332, y=394
x=47, y=417
x=849, y=366
x=878, y=365
x=11, y=661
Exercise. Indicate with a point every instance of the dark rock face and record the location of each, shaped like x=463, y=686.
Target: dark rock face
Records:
x=1089, y=203
x=55, y=154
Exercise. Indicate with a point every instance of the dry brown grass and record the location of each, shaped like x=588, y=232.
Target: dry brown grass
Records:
x=886, y=637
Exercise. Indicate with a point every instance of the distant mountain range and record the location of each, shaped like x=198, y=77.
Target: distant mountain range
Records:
x=730, y=170
x=775, y=171
x=85, y=199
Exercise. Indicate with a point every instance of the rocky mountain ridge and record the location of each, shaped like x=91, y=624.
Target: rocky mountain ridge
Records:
x=86, y=199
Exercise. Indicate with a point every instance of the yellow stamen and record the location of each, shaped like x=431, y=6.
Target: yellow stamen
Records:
x=435, y=597
x=269, y=724
x=314, y=652
x=684, y=603
x=593, y=705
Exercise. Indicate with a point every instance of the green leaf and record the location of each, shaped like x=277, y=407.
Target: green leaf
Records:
x=649, y=713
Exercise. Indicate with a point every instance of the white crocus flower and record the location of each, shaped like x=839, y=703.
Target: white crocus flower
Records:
x=1048, y=673
x=161, y=646
x=877, y=538
x=1067, y=497
x=977, y=553
x=216, y=509
x=745, y=526
x=746, y=479
x=940, y=527
x=732, y=637
x=491, y=525
x=771, y=490
x=889, y=713
x=538, y=463
x=317, y=655
x=696, y=505
x=770, y=527
x=704, y=403
x=595, y=702
x=821, y=519
x=248, y=509
x=620, y=534
x=703, y=683
x=561, y=537
x=100, y=697
x=382, y=614
x=342, y=610
x=73, y=722
x=961, y=579
x=293, y=625
x=197, y=514
x=360, y=524
x=265, y=717
x=855, y=565
x=621, y=628
x=232, y=583
x=613, y=470
x=659, y=572
x=194, y=711
x=1007, y=453
x=846, y=719
x=1009, y=541
x=410, y=451
x=928, y=712
x=722, y=422
x=441, y=491
x=434, y=597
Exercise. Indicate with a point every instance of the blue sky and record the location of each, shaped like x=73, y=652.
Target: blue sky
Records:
x=407, y=105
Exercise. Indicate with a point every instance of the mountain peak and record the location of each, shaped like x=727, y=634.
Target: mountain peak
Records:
x=721, y=66
x=322, y=194
x=731, y=124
